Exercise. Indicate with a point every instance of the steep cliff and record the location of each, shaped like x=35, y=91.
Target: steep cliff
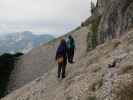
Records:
x=94, y=75
x=117, y=16
x=109, y=19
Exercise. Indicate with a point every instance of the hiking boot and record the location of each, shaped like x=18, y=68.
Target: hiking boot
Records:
x=58, y=76
x=71, y=62
x=63, y=77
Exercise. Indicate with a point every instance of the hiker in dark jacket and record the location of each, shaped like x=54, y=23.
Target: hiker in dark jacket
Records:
x=71, y=48
x=61, y=58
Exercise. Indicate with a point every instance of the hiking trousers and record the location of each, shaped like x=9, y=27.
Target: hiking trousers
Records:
x=70, y=55
x=61, y=70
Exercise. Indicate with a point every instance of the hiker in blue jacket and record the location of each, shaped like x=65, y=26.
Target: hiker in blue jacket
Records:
x=71, y=48
x=61, y=58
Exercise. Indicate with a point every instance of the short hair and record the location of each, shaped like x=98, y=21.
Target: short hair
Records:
x=62, y=41
x=69, y=36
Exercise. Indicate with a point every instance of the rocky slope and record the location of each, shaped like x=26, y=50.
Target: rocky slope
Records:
x=90, y=77
x=41, y=60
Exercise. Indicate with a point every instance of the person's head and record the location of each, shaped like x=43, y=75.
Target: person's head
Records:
x=69, y=36
x=62, y=41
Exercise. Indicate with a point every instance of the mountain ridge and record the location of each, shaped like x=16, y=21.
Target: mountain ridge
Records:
x=22, y=41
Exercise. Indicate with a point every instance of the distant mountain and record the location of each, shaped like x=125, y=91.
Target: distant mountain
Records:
x=22, y=42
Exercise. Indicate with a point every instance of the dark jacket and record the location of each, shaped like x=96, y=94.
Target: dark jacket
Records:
x=62, y=51
x=71, y=43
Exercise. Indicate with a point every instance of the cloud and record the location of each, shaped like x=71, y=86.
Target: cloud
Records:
x=57, y=16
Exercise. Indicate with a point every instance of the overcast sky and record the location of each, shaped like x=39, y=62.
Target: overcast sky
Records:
x=47, y=16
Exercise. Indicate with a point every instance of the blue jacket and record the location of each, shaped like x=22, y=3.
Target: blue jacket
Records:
x=61, y=51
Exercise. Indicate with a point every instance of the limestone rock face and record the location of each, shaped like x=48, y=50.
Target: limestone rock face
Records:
x=109, y=19
x=117, y=16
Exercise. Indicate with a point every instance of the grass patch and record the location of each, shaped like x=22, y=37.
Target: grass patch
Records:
x=126, y=69
x=125, y=92
x=92, y=98
x=96, y=85
x=69, y=98
x=92, y=38
x=95, y=25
